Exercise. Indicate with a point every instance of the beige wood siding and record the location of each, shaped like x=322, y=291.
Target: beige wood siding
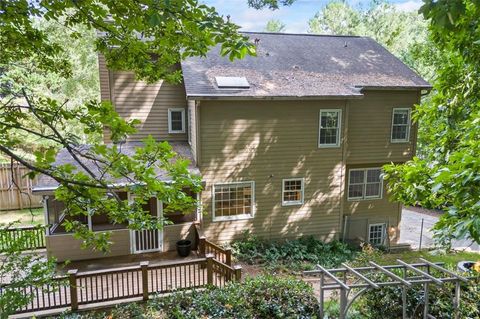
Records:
x=371, y=211
x=174, y=233
x=370, y=124
x=104, y=79
x=148, y=103
x=66, y=247
x=264, y=142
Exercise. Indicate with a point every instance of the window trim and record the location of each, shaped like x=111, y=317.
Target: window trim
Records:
x=384, y=232
x=293, y=203
x=235, y=217
x=339, y=128
x=176, y=109
x=409, y=125
x=364, y=197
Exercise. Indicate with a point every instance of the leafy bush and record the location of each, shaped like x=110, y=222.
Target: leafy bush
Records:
x=296, y=254
x=259, y=297
x=375, y=304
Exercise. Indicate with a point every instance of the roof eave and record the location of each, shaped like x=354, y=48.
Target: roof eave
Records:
x=193, y=97
x=395, y=88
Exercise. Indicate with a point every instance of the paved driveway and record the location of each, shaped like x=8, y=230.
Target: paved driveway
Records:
x=411, y=225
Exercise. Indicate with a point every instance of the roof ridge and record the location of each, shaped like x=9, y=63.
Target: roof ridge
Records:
x=305, y=34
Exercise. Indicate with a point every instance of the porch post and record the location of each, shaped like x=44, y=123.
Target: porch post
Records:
x=72, y=279
x=209, y=269
x=144, y=267
x=238, y=273
x=228, y=256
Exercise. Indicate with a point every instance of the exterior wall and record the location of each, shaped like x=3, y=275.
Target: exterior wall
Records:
x=65, y=247
x=266, y=141
x=148, y=103
x=174, y=233
x=360, y=213
x=369, y=128
x=104, y=76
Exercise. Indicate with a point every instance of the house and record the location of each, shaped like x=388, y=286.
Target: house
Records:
x=288, y=143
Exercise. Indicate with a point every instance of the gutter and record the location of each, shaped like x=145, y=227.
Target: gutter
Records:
x=198, y=97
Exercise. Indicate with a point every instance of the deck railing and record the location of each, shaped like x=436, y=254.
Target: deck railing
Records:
x=206, y=247
x=27, y=238
x=82, y=288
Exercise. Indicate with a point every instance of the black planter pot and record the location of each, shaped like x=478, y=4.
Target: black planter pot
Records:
x=184, y=247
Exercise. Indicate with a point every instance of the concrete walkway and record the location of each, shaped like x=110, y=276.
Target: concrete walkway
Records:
x=411, y=225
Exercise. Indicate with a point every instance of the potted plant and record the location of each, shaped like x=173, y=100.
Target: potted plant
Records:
x=184, y=247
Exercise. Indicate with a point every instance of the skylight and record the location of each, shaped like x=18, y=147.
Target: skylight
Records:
x=232, y=82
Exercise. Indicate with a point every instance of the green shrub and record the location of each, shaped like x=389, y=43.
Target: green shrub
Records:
x=375, y=304
x=296, y=254
x=259, y=297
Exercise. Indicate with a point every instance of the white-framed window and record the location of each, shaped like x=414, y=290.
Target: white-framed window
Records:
x=292, y=191
x=365, y=183
x=400, y=125
x=329, y=128
x=377, y=233
x=176, y=120
x=231, y=201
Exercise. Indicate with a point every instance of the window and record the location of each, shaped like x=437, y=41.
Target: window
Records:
x=233, y=201
x=401, y=125
x=176, y=120
x=365, y=183
x=329, y=133
x=376, y=234
x=292, y=191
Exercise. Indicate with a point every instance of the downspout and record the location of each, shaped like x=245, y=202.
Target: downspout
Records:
x=344, y=167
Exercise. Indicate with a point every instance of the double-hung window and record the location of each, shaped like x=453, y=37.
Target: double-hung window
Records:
x=377, y=234
x=176, y=120
x=400, y=125
x=330, y=125
x=233, y=201
x=292, y=191
x=365, y=183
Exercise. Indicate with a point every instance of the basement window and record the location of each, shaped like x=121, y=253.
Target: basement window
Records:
x=377, y=234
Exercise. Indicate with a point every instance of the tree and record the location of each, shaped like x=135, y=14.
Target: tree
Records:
x=148, y=37
x=271, y=4
x=448, y=176
x=275, y=26
x=402, y=33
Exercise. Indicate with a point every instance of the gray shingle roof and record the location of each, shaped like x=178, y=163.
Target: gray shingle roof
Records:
x=293, y=65
x=46, y=183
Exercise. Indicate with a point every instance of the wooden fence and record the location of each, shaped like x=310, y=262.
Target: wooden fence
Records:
x=26, y=237
x=16, y=189
x=124, y=283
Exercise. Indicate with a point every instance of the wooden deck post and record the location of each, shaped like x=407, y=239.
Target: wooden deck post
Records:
x=144, y=267
x=238, y=272
x=72, y=279
x=209, y=269
x=202, y=246
x=228, y=256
